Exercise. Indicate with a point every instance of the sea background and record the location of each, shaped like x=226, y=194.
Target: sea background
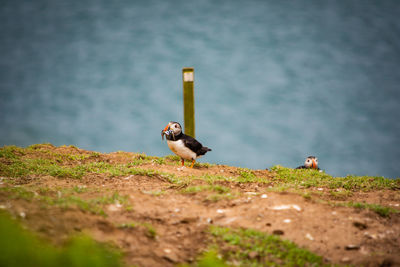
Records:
x=275, y=81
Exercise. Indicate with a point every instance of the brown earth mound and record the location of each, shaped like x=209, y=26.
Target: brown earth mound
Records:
x=161, y=224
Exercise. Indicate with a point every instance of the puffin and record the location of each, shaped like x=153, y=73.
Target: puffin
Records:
x=181, y=144
x=310, y=163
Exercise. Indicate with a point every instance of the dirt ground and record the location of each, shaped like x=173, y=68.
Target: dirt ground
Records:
x=342, y=235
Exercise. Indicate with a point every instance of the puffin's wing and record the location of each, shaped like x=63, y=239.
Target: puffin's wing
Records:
x=191, y=143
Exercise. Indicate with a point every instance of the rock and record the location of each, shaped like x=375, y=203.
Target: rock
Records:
x=345, y=260
x=253, y=255
x=264, y=196
x=352, y=247
x=278, y=232
x=371, y=236
x=309, y=236
x=360, y=225
x=286, y=207
x=189, y=219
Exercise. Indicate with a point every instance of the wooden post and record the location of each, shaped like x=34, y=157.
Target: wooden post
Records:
x=188, y=101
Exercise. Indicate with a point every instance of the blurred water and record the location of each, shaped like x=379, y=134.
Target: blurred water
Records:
x=275, y=81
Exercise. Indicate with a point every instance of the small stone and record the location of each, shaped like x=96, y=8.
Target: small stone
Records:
x=309, y=236
x=22, y=214
x=360, y=225
x=371, y=236
x=278, y=232
x=189, y=220
x=364, y=251
x=113, y=207
x=287, y=220
x=352, y=247
x=286, y=207
x=264, y=196
x=167, y=250
x=209, y=220
x=345, y=260
x=220, y=211
x=253, y=254
x=171, y=257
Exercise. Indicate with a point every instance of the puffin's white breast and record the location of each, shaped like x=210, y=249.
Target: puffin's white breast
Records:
x=179, y=148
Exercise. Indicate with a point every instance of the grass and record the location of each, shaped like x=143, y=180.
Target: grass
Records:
x=48, y=162
x=247, y=247
x=150, y=230
x=65, y=198
x=219, y=192
x=21, y=248
x=304, y=178
x=378, y=209
x=200, y=188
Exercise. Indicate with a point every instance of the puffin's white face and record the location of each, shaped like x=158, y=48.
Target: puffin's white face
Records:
x=311, y=162
x=175, y=127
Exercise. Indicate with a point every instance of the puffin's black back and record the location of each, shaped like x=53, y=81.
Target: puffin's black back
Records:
x=194, y=145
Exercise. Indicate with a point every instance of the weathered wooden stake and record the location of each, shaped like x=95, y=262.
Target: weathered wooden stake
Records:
x=188, y=101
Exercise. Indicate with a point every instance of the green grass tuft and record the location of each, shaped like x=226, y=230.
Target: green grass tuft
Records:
x=378, y=209
x=304, y=178
x=246, y=247
x=21, y=248
x=150, y=230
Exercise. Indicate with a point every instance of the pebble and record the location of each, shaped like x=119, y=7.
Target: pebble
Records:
x=286, y=207
x=309, y=236
x=287, y=220
x=264, y=196
x=360, y=225
x=345, y=260
x=278, y=232
x=220, y=211
x=113, y=207
x=22, y=214
x=352, y=247
x=253, y=254
x=372, y=236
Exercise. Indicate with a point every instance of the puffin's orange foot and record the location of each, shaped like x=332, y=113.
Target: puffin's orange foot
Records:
x=191, y=166
x=183, y=162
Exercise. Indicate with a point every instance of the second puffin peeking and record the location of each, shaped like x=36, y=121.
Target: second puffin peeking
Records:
x=310, y=163
x=181, y=144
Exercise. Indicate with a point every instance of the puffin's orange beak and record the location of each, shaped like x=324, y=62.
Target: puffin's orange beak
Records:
x=163, y=131
x=166, y=128
x=314, y=164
